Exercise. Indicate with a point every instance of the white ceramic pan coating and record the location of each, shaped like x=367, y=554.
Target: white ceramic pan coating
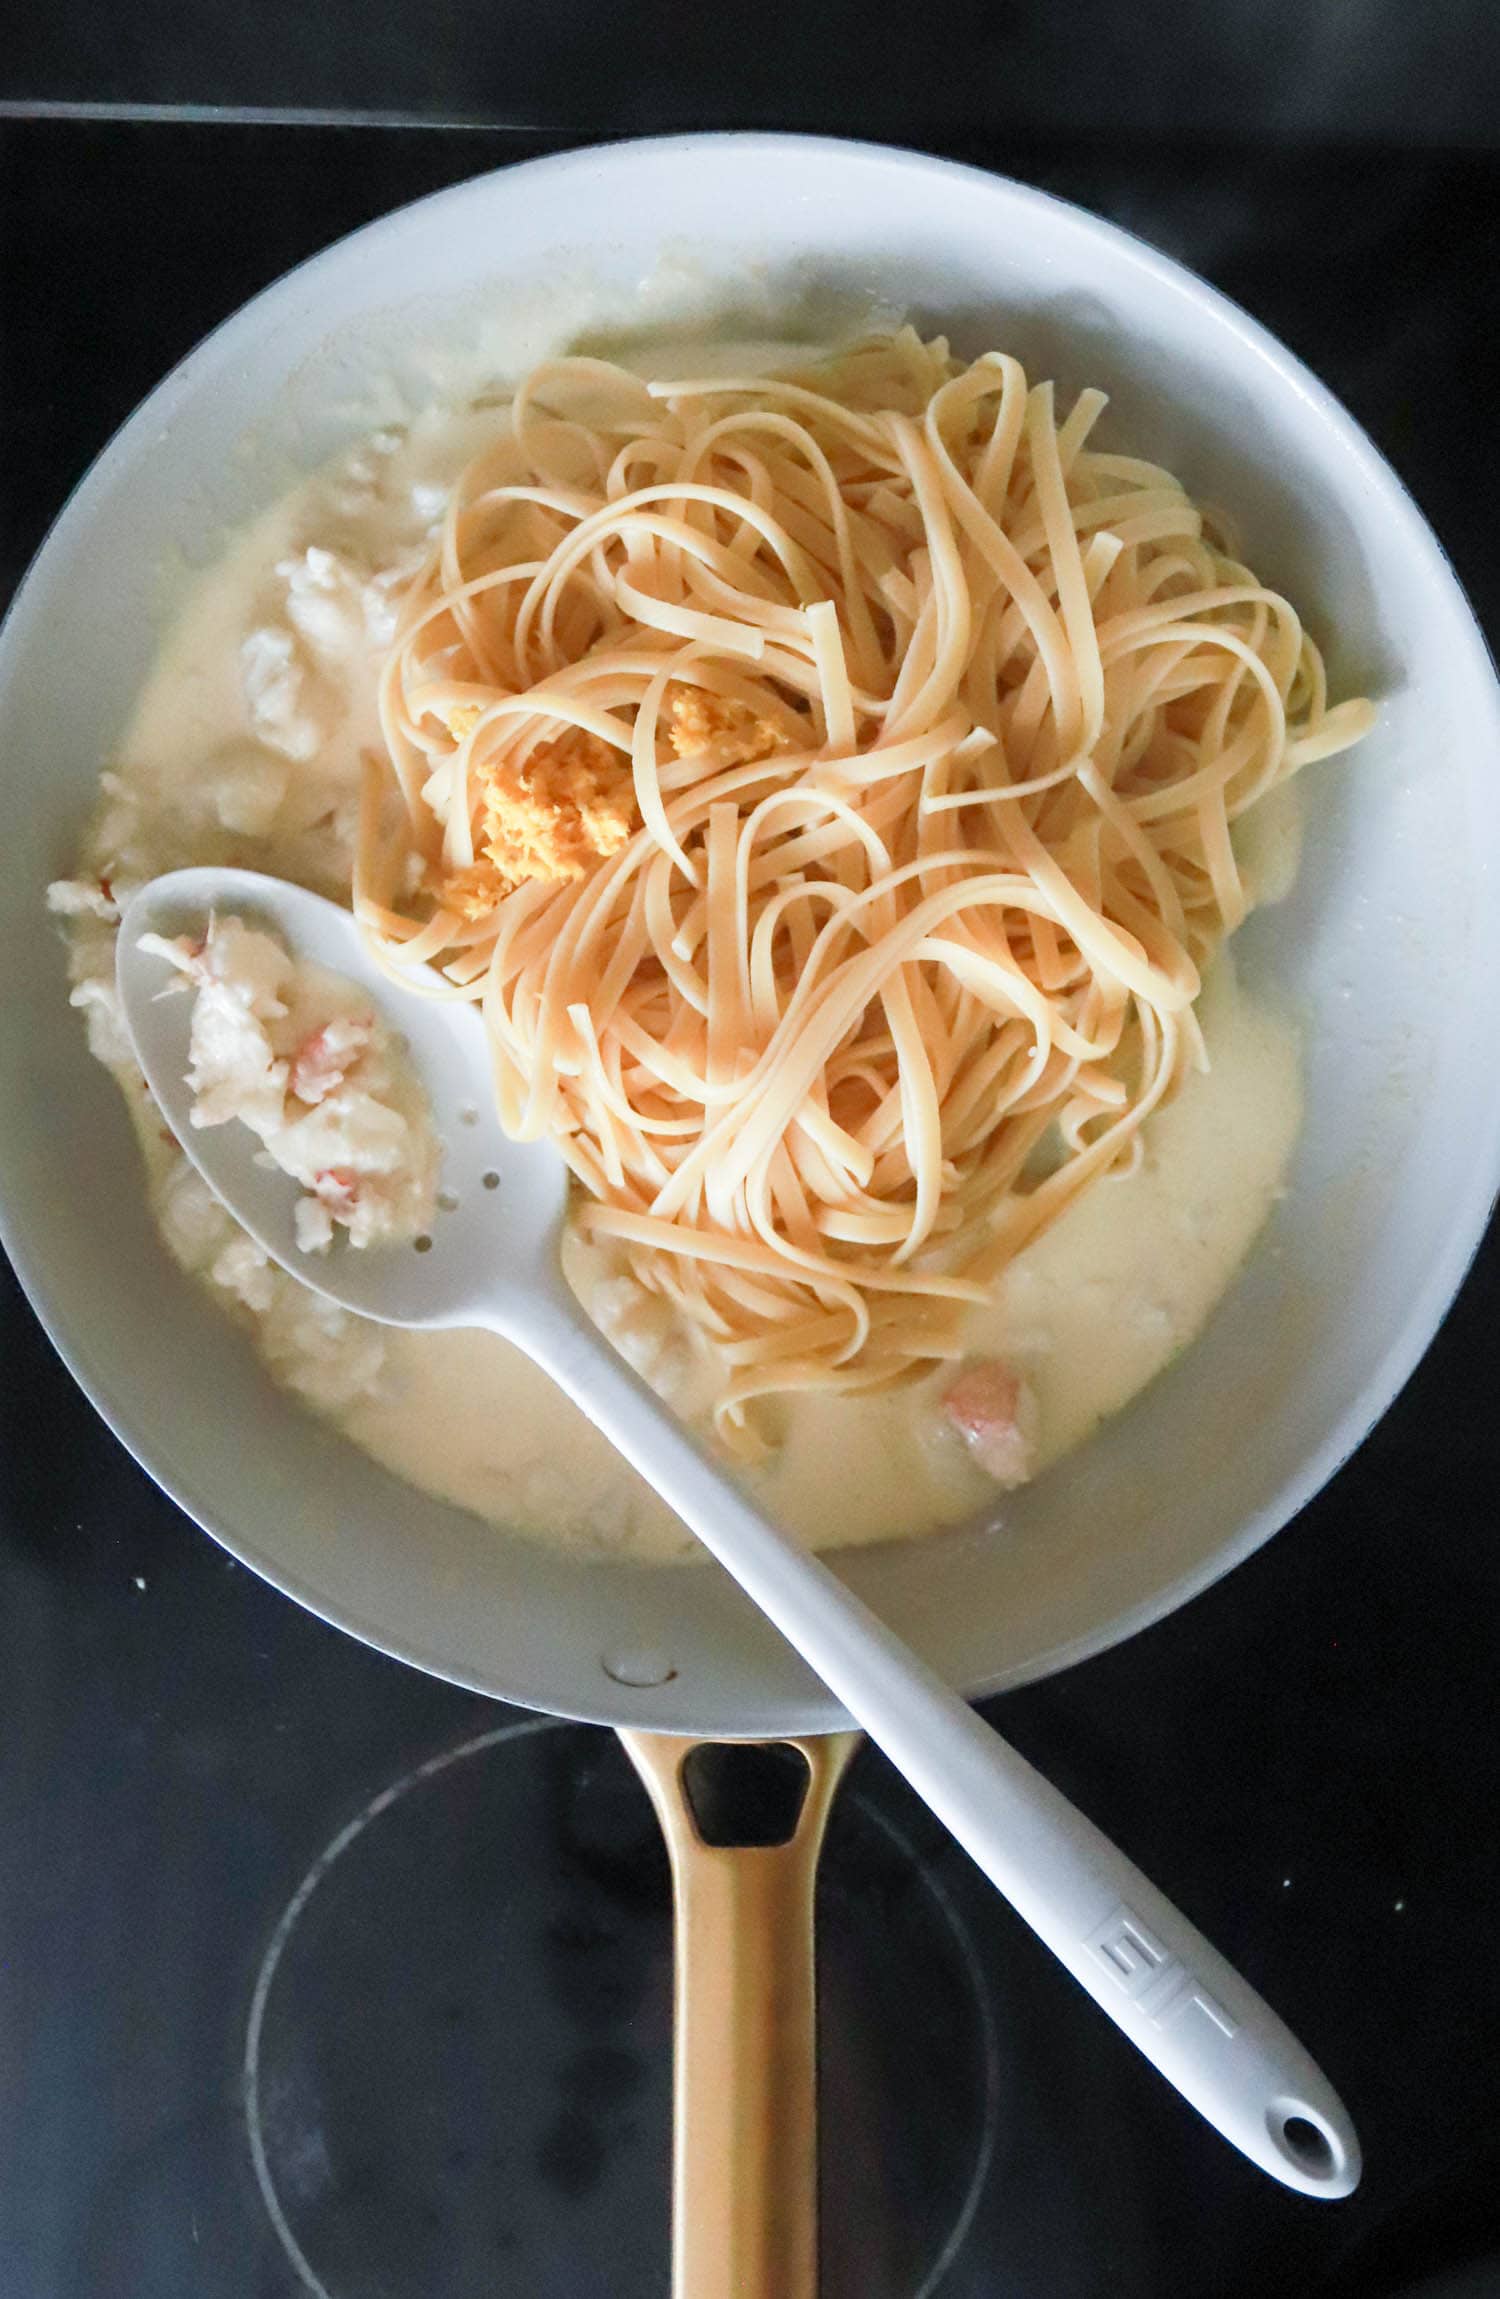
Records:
x=1388, y=951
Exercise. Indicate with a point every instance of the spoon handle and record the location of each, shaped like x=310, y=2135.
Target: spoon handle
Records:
x=1154, y=1974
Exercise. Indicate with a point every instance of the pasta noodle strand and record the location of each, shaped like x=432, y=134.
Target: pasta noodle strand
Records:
x=825, y=784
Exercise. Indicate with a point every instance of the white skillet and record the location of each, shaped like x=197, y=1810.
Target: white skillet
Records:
x=493, y=1263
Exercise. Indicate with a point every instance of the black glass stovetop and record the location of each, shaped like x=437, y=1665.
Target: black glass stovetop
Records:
x=317, y=1976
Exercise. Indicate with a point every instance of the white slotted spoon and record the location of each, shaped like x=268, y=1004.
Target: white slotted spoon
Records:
x=493, y=1262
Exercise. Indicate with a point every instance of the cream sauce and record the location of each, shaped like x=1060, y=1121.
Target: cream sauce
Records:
x=1090, y=1313
x=249, y=754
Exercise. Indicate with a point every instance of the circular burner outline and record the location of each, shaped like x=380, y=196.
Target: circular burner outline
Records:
x=524, y=1728
x=989, y=2127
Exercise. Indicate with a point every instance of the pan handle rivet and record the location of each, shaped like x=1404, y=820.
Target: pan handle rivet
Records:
x=637, y=1665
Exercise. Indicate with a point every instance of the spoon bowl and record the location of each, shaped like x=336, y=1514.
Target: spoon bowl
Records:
x=502, y=1202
